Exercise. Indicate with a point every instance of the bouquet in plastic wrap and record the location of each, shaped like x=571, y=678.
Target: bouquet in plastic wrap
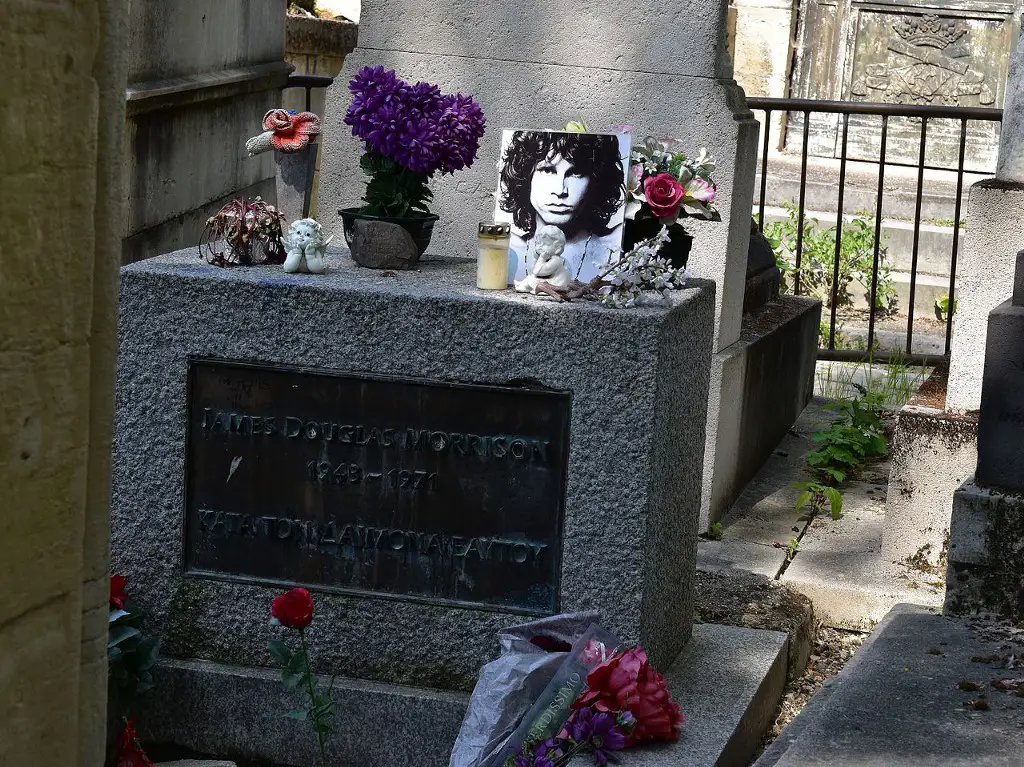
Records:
x=597, y=697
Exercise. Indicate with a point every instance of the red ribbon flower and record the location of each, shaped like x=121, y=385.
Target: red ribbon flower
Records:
x=293, y=609
x=292, y=132
x=129, y=750
x=627, y=682
x=117, y=595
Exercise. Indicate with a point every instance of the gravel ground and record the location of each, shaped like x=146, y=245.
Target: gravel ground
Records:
x=832, y=650
x=816, y=652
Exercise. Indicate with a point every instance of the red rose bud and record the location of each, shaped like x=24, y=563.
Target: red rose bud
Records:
x=117, y=596
x=627, y=683
x=664, y=194
x=293, y=609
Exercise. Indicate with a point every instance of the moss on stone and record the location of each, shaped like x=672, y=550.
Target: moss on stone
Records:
x=185, y=637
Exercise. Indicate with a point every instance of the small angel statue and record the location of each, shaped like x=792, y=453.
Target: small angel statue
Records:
x=306, y=246
x=549, y=266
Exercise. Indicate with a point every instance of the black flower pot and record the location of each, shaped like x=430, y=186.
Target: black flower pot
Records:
x=676, y=250
x=386, y=242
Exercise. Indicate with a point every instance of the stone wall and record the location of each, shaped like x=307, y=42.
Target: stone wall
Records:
x=202, y=73
x=933, y=53
x=62, y=203
x=763, y=33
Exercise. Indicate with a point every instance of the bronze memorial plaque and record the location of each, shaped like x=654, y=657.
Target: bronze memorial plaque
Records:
x=396, y=487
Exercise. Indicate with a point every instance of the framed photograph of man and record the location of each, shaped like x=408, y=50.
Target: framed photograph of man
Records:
x=575, y=181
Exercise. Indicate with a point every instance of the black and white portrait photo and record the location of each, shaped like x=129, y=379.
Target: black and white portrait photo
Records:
x=575, y=181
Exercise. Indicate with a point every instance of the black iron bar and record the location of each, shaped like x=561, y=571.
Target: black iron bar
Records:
x=878, y=358
x=839, y=235
x=309, y=81
x=926, y=113
x=956, y=234
x=803, y=194
x=917, y=238
x=878, y=234
x=764, y=168
x=875, y=109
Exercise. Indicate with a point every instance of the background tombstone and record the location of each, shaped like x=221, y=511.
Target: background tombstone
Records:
x=663, y=69
x=986, y=572
x=995, y=232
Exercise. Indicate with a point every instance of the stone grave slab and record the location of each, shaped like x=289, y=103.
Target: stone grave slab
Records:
x=557, y=470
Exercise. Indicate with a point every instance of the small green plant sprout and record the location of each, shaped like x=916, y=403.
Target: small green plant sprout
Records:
x=819, y=497
x=817, y=269
x=792, y=548
x=942, y=307
x=715, y=531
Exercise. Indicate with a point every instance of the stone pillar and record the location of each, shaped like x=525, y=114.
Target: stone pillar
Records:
x=62, y=203
x=762, y=51
x=202, y=73
x=995, y=232
x=986, y=572
x=665, y=71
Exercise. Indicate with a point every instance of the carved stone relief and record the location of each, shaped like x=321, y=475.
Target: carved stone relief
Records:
x=928, y=63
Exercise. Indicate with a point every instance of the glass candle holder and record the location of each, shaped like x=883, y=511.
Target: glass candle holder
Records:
x=492, y=258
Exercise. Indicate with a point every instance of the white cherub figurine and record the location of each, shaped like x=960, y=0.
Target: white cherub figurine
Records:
x=306, y=246
x=549, y=265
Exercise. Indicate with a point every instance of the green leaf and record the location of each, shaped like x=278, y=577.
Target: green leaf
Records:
x=279, y=651
x=835, y=499
x=837, y=475
x=299, y=714
x=118, y=634
x=146, y=653
x=291, y=679
x=117, y=615
x=803, y=499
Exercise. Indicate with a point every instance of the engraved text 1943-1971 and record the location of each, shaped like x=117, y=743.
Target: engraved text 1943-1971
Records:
x=415, y=489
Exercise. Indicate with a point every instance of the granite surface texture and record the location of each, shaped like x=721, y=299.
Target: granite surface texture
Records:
x=985, y=572
x=728, y=682
x=899, y=702
x=639, y=381
x=1001, y=420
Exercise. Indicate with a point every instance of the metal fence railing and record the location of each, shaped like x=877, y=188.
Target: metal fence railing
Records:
x=867, y=117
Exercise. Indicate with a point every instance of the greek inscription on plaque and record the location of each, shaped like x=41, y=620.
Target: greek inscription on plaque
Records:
x=401, y=488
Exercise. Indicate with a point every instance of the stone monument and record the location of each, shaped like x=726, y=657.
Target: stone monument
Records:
x=986, y=569
x=664, y=70
x=987, y=528
x=995, y=232
x=433, y=461
x=934, y=449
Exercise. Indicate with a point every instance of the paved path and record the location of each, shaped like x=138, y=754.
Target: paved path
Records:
x=838, y=564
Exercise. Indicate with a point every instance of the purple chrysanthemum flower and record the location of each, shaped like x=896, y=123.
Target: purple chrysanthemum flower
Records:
x=599, y=732
x=543, y=754
x=414, y=125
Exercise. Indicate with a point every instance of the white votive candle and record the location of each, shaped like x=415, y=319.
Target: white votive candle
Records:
x=492, y=258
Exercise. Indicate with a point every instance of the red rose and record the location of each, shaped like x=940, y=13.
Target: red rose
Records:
x=294, y=609
x=664, y=193
x=117, y=596
x=627, y=682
